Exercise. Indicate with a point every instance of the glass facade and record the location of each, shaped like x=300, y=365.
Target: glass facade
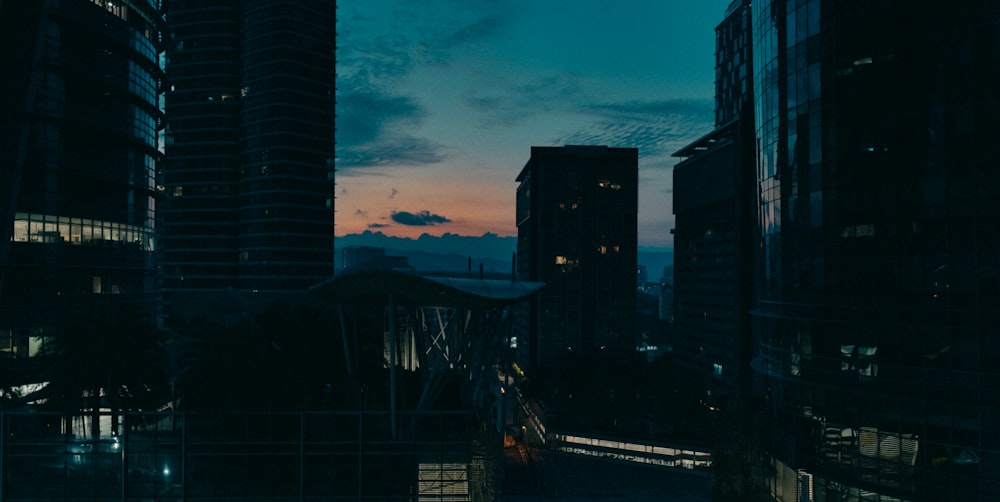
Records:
x=878, y=302
x=79, y=168
x=249, y=175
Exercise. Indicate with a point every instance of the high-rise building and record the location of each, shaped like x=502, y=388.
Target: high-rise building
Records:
x=714, y=192
x=79, y=150
x=250, y=145
x=878, y=306
x=576, y=232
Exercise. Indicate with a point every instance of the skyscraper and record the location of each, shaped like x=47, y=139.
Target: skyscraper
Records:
x=576, y=232
x=879, y=301
x=713, y=200
x=80, y=122
x=250, y=142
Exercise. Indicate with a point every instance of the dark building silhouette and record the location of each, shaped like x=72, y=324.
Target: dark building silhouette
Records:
x=79, y=131
x=714, y=192
x=879, y=297
x=250, y=142
x=576, y=226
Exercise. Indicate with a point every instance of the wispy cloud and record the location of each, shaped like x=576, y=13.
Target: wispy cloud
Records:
x=376, y=226
x=419, y=219
x=372, y=129
x=656, y=128
x=407, y=151
x=507, y=101
x=362, y=114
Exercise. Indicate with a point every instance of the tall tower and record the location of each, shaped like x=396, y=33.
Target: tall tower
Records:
x=80, y=123
x=714, y=192
x=249, y=176
x=576, y=232
x=879, y=301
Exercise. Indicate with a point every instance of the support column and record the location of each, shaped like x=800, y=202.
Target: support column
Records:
x=392, y=364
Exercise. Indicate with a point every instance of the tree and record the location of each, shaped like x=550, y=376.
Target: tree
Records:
x=286, y=358
x=110, y=354
x=739, y=430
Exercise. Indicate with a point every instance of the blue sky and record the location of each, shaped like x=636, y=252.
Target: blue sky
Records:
x=440, y=101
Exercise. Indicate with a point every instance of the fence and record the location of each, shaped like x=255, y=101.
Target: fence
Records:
x=175, y=456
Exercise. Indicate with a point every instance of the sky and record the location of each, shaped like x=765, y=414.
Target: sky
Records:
x=440, y=101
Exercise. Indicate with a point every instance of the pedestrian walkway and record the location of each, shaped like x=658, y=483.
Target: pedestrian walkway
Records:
x=533, y=475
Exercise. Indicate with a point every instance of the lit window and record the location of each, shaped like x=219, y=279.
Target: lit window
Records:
x=717, y=369
x=617, y=249
x=560, y=260
x=602, y=249
x=178, y=191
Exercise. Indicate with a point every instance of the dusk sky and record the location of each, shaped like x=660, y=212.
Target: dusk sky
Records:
x=440, y=101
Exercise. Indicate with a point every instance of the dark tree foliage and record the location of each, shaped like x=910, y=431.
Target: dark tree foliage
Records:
x=108, y=356
x=738, y=435
x=286, y=358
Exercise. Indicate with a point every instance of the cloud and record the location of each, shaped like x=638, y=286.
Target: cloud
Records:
x=482, y=29
x=378, y=225
x=362, y=114
x=422, y=218
x=509, y=102
x=372, y=129
x=656, y=128
x=389, y=151
x=392, y=195
x=361, y=212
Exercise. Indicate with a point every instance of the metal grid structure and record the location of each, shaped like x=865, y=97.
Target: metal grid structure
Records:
x=173, y=456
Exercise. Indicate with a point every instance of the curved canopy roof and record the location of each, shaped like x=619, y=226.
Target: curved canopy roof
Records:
x=377, y=284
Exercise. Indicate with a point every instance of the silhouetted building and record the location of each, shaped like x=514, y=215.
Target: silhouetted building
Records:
x=576, y=226
x=714, y=192
x=80, y=126
x=879, y=299
x=250, y=144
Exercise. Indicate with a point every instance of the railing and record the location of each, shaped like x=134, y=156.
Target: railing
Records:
x=342, y=455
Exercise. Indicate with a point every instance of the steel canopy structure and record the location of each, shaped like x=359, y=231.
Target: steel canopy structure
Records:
x=445, y=329
x=361, y=284
x=441, y=341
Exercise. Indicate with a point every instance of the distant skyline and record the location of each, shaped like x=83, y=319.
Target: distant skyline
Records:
x=439, y=104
